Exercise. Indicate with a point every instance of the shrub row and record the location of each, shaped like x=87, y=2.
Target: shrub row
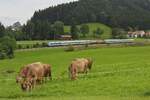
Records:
x=28, y=46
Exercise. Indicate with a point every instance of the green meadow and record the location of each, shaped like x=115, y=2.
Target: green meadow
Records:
x=117, y=74
x=107, y=31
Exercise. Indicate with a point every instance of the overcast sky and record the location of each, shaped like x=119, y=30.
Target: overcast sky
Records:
x=21, y=10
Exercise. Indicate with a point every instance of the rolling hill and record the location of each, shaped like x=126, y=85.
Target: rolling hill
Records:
x=93, y=26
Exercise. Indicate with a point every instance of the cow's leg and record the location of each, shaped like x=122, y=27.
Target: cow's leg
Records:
x=31, y=83
x=34, y=83
x=86, y=71
x=34, y=79
x=41, y=79
x=46, y=77
x=75, y=74
x=30, y=86
x=86, y=68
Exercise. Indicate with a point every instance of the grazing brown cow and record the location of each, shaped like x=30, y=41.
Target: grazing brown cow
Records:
x=32, y=74
x=36, y=72
x=79, y=65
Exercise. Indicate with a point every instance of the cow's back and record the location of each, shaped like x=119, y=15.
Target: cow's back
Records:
x=81, y=64
x=36, y=69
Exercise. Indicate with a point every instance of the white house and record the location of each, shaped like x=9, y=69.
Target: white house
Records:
x=136, y=34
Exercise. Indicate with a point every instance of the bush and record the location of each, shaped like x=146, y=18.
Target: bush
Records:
x=37, y=45
x=44, y=44
x=27, y=46
x=19, y=46
x=119, y=33
x=70, y=48
x=2, y=54
x=7, y=46
x=34, y=46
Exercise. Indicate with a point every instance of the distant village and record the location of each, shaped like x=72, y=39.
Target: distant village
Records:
x=138, y=34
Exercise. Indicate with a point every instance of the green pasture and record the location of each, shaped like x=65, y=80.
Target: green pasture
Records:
x=32, y=42
x=117, y=74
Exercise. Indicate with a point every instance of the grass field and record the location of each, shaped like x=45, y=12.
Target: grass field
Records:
x=30, y=44
x=117, y=74
x=93, y=26
x=33, y=42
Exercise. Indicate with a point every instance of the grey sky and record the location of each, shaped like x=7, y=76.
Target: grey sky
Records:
x=21, y=10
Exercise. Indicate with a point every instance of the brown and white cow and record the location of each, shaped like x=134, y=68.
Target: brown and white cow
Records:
x=32, y=74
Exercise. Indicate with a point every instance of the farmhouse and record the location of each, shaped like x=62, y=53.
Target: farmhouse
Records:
x=136, y=34
x=65, y=37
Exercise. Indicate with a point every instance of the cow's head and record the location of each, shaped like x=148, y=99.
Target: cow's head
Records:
x=22, y=74
x=90, y=62
x=26, y=85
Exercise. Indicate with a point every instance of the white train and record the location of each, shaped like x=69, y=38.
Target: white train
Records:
x=117, y=41
x=75, y=42
x=83, y=42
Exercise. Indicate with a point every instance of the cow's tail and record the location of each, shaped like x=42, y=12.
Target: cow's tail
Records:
x=70, y=71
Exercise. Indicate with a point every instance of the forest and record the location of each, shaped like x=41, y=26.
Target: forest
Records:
x=116, y=13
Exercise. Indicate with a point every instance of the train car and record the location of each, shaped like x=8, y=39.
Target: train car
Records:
x=117, y=41
x=75, y=42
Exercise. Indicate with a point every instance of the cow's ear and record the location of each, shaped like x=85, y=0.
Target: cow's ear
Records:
x=21, y=81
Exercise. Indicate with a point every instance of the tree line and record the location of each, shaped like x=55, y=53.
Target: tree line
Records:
x=116, y=13
x=44, y=30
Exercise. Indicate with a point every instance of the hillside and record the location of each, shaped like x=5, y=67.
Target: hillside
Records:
x=93, y=26
x=123, y=13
